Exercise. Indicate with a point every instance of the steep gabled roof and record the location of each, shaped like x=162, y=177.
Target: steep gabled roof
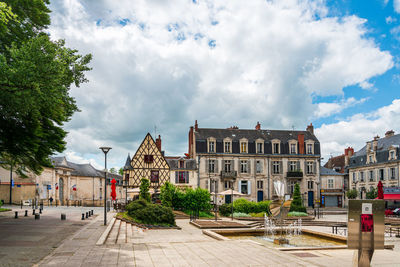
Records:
x=128, y=165
x=383, y=144
x=326, y=171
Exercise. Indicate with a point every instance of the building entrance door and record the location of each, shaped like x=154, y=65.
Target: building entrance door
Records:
x=228, y=199
x=311, y=199
x=260, y=196
x=61, y=191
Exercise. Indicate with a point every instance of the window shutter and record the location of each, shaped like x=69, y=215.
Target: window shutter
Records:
x=207, y=165
x=396, y=172
x=216, y=186
x=187, y=177
x=248, y=166
x=280, y=166
x=288, y=165
x=176, y=177
x=249, y=187
x=216, y=165
x=232, y=165
x=298, y=165
x=314, y=167
x=305, y=166
x=239, y=187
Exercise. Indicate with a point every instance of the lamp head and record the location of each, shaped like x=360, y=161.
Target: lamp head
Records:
x=105, y=149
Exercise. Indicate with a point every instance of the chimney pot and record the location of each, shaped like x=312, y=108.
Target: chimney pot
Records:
x=310, y=128
x=389, y=133
x=196, y=126
x=258, y=126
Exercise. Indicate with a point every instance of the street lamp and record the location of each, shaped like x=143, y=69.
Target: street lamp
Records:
x=105, y=151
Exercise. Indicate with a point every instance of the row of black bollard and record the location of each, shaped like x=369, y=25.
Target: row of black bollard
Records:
x=87, y=214
x=37, y=216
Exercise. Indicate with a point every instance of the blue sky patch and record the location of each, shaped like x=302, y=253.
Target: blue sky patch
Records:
x=212, y=43
x=123, y=22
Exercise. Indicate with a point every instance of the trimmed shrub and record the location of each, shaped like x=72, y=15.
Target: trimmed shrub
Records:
x=132, y=207
x=156, y=215
x=144, y=189
x=167, y=194
x=197, y=200
x=297, y=203
x=243, y=205
x=297, y=214
x=259, y=214
x=225, y=209
x=263, y=206
x=352, y=194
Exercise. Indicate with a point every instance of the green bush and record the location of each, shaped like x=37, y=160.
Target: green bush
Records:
x=144, y=189
x=372, y=194
x=197, y=200
x=167, y=194
x=263, y=206
x=297, y=214
x=352, y=194
x=225, y=209
x=132, y=207
x=259, y=214
x=156, y=215
x=297, y=203
x=240, y=214
x=1, y=203
x=244, y=206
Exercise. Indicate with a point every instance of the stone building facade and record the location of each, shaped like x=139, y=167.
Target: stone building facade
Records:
x=332, y=188
x=66, y=183
x=183, y=172
x=377, y=161
x=251, y=160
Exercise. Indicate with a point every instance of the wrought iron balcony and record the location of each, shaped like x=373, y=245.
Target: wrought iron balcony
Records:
x=228, y=175
x=294, y=174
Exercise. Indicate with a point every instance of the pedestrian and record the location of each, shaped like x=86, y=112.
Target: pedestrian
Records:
x=51, y=201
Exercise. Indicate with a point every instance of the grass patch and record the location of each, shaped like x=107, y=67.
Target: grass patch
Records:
x=259, y=214
x=202, y=214
x=126, y=216
x=297, y=214
x=3, y=209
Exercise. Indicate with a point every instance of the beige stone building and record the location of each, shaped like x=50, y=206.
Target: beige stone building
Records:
x=67, y=183
x=183, y=172
x=251, y=160
x=332, y=188
x=377, y=161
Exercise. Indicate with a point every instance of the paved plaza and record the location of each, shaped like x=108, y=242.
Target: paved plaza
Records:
x=52, y=242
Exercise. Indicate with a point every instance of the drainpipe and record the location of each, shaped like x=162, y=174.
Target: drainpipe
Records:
x=198, y=171
x=268, y=179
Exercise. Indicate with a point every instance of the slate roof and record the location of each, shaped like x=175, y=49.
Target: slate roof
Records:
x=326, y=171
x=190, y=164
x=85, y=169
x=128, y=165
x=252, y=135
x=338, y=161
x=383, y=144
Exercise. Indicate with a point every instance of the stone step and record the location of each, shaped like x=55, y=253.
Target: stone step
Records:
x=122, y=234
x=129, y=233
x=112, y=237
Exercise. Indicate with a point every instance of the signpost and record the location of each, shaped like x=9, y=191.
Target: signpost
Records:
x=366, y=228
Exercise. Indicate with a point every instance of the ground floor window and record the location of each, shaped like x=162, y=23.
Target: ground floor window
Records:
x=244, y=186
x=330, y=183
x=228, y=185
x=310, y=184
x=260, y=184
x=154, y=176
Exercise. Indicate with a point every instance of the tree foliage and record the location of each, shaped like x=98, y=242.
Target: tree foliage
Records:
x=352, y=194
x=297, y=203
x=372, y=193
x=197, y=200
x=36, y=75
x=144, y=189
x=168, y=192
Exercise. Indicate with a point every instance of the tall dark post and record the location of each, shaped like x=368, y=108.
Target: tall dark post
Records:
x=11, y=176
x=105, y=151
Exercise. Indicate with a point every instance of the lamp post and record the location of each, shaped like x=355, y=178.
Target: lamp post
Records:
x=105, y=151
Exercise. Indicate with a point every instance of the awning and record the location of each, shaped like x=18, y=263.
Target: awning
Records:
x=391, y=196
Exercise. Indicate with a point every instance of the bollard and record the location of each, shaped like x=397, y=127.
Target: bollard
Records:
x=26, y=213
x=37, y=216
x=40, y=211
x=16, y=215
x=21, y=204
x=41, y=206
x=33, y=212
x=83, y=216
x=87, y=215
x=56, y=203
x=63, y=216
x=92, y=212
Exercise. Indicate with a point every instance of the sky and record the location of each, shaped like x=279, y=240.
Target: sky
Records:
x=160, y=65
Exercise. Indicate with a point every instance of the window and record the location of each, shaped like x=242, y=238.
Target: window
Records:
x=154, y=175
x=292, y=166
x=227, y=165
x=227, y=146
x=354, y=177
x=330, y=183
x=370, y=158
x=181, y=164
x=260, y=184
x=228, y=184
x=291, y=186
x=258, y=166
x=182, y=177
x=392, y=173
x=211, y=166
x=243, y=166
x=211, y=146
x=259, y=148
x=244, y=187
x=309, y=149
x=275, y=148
x=391, y=155
x=276, y=167
x=293, y=148
x=381, y=174
x=310, y=167
x=148, y=158
x=310, y=185
x=361, y=176
x=243, y=147
x=371, y=176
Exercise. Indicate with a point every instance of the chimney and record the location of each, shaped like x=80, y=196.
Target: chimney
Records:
x=258, y=126
x=196, y=126
x=389, y=133
x=158, y=142
x=310, y=128
x=191, y=142
x=300, y=139
x=375, y=143
x=348, y=152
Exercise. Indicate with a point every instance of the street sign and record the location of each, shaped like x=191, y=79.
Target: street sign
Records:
x=12, y=183
x=49, y=187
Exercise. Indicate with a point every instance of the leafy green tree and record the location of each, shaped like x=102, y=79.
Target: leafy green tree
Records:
x=372, y=193
x=121, y=171
x=167, y=194
x=113, y=170
x=197, y=200
x=297, y=203
x=144, y=189
x=352, y=194
x=36, y=75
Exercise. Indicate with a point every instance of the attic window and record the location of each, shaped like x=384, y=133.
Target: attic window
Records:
x=148, y=158
x=181, y=164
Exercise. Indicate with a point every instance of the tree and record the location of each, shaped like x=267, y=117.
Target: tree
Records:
x=121, y=171
x=372, y=193
x=197, y=200
x=36, y=74
x=352, y=194
x=297, y=203
x=167, y=194
x=144, y=189
x=113, y=170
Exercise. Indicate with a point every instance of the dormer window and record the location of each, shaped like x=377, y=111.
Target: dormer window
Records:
x=370, y=158
x=392, y=154
x=276, y=147
x=227, y=145
x=292, y=148
x=181, y=164
x=259, y=146
x=243, y=146
x=310, y=147
x=211, y=145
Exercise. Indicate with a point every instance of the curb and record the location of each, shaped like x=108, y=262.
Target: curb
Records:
x=106, y=233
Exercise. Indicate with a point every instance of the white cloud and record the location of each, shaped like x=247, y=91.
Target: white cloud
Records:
x=328, y=109
x=390, y=20
x=221, y=63
x=396, y=5
x=358, y=129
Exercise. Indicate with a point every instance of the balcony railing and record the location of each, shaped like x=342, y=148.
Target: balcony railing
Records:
x=294, y=174
x=228, y=175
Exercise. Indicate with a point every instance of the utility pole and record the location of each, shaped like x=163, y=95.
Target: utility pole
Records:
x=11, y=177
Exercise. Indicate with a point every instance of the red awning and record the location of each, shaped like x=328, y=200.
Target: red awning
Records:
x=391, y=196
